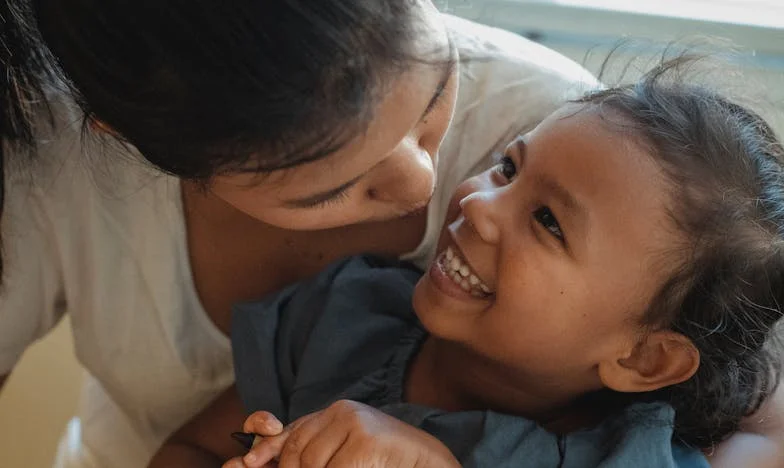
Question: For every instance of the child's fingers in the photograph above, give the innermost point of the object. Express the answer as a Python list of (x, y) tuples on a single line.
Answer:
[(263, 423), (265, 452), (235, 462), (321, 448), (299, 449)]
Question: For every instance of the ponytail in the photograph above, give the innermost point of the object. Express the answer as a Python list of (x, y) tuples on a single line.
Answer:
[(22, 76)]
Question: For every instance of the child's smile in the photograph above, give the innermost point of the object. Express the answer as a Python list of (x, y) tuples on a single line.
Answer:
[(452, 273), (552, 257)]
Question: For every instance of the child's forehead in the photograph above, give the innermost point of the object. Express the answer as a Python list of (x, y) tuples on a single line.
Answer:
[(558, 119), (555, 118)]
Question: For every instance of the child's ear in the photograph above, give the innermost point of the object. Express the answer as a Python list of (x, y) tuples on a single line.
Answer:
[(662, 359)]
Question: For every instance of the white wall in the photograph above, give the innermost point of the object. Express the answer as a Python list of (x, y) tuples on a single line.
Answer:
[(38, 400)]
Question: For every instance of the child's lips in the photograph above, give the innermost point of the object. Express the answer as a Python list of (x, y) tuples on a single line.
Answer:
[(454, 268)]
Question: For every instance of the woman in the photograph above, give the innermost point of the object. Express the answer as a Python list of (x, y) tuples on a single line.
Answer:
[(291, 133)]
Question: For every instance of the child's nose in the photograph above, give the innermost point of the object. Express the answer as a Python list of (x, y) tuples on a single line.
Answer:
[(480, 209)]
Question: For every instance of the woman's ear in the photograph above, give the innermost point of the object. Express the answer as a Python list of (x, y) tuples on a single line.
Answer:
[(662, 359)]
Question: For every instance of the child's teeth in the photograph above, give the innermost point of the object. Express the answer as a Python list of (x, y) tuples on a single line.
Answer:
[(462, 275)]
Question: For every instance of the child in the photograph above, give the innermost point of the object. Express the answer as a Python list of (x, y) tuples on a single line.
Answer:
[(602, 297)]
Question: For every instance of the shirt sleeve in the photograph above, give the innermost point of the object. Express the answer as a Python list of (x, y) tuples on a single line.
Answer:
[(32, 298), (295, 351), (638, 436)]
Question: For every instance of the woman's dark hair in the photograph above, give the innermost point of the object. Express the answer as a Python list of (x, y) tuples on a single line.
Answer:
[(23, 104), (202, 87), (724, 165), (205, 86)]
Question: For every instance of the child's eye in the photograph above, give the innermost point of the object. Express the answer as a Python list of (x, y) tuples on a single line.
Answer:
[(506, 167), (546, 218)]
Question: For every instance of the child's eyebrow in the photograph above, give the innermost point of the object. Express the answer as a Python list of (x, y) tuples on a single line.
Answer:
[(561, 194), (550, 185)]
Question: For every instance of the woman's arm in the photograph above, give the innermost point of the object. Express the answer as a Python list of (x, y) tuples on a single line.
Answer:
[(205, 442), (760, 441)]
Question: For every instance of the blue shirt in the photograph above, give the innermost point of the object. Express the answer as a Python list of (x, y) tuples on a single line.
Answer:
[(350, 333)]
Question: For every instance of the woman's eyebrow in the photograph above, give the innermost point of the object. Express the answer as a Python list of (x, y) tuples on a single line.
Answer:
[(320, 197), (447, 68)]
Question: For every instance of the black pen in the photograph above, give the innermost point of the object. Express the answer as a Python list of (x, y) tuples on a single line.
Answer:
[(246, 439)]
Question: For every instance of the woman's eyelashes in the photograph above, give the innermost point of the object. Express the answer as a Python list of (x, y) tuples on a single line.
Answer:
[(335, 199)]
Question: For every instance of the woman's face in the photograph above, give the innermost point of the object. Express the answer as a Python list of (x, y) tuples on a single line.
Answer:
[(554, 254), (386, 172)]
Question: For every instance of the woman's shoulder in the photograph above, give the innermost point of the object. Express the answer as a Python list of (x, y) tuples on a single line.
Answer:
[(490, 52), (70, 164), (508, 84), (69, 187)]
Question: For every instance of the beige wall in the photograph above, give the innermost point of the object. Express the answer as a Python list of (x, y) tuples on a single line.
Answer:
[(38, 400)]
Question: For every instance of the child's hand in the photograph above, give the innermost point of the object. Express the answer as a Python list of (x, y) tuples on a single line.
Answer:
[(263, 424), (346, 434)]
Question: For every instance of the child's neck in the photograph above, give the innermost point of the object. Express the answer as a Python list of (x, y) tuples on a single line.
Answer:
[(451, 377)]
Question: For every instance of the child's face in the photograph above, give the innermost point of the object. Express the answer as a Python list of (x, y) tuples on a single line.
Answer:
[(567, 233)]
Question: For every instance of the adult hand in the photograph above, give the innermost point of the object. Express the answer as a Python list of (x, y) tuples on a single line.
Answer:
[(345, 434), (760, 441)]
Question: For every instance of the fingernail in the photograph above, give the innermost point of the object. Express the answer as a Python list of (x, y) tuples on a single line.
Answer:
[(249, 458), (273, 425)]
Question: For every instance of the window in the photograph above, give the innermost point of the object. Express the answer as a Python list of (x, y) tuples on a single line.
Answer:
[(757, 25), (769, 13), (575, 27)]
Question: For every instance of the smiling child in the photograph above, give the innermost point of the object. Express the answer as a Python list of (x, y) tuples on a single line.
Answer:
[(602, 297)]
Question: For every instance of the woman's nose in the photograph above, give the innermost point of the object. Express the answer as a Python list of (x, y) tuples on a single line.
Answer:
[(481, 209), (406, 179)]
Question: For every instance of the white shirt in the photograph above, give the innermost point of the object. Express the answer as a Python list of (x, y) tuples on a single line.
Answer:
[(101, 236)]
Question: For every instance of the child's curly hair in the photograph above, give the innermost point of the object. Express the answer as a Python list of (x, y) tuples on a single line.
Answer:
[(724, 164)]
